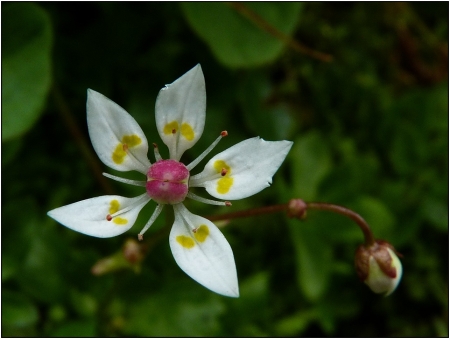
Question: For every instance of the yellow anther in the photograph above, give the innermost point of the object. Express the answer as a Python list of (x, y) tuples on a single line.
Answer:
[(187, 131), (201, 233), (171, 128), (186, 242)]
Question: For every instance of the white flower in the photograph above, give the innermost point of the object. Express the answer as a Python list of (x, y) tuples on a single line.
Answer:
[(198, 246)]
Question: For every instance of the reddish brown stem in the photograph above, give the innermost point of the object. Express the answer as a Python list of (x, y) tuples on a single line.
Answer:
[(261, 23), (80, 140), (249, 213), (297, 208), (368, 235)]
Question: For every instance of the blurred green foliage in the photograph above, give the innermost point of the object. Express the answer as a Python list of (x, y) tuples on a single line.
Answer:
[(370, 132)]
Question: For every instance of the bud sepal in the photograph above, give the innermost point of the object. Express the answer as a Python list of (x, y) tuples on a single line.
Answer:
[(379, 267)]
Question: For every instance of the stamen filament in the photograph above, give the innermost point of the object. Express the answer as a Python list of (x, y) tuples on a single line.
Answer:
[(173, 145), (179, 208), (156, 150), (205, 153), (137, 161), (138, 201), (151, 221), (208, 201), (199, 179), (125, 181)]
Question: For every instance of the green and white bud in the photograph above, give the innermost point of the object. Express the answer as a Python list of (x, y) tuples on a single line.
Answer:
[(379, 267)]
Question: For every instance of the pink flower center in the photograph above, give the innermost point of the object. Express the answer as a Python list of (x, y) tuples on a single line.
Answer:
[(167, 182)]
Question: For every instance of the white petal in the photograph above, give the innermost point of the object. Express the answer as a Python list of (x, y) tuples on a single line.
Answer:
[(89, 216), (249, 167), (204, 255), (110, 127), (181, 108)]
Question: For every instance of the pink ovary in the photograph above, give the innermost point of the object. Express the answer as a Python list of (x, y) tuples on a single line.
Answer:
[(167, 182)]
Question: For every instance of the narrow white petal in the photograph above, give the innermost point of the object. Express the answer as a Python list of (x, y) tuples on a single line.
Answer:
[(249, 167), (180, 112), (110, 128), (89, 216), (205, 254)]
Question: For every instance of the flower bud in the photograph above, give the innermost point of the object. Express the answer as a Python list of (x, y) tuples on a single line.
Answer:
[(297, 209), (379, 267), (129, 257)]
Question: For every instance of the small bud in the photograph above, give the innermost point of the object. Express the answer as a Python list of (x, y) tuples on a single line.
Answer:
[(132, 251), (379, 267), (129, 257)]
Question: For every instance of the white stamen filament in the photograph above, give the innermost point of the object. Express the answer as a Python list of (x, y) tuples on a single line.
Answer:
[(208, 201), (151, 221), (125, 181), (143, 167), (173, 146), (205, 153), (199, 180), (179, 208), (156, 150), (138, 201)]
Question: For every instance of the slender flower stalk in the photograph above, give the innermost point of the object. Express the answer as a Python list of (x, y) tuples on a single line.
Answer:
[(296, 208), (376, 261), (368, 235)]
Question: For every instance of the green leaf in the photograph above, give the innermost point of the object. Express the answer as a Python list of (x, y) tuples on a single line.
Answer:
[(311, 162), (175, 312), (294, 324), (235, 40), (10, 150), (17, 310), (80, 328), (272, 122), (313, 257), (40, 273), (252, 307), (377, 214), (27, 40), (436, 212)]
